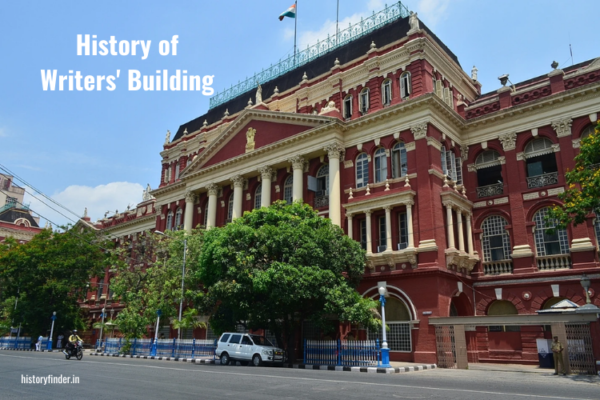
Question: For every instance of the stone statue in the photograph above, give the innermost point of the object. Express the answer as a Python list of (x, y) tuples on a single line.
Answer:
[(330, 107), (168, 137), (85, 214), (250, 143), (474, 73), (146, 195), (413, 21), (259, 94)]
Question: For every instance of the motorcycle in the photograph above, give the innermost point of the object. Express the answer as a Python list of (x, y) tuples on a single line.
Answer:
[(75, 351)]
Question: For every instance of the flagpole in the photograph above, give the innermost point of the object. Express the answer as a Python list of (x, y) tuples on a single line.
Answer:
[(295, 30)]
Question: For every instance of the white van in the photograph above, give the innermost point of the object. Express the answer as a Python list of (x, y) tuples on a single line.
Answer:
[(247, 348)]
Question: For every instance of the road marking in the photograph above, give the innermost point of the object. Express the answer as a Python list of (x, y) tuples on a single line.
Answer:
[(324, 380)]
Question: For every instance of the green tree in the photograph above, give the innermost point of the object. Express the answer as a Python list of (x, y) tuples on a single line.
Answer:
[(276, 267), (582, 196), (189, 320), (49, 273)]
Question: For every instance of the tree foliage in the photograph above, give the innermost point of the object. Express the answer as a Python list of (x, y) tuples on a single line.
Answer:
[(582, 196), (49, 273), (276, 267)]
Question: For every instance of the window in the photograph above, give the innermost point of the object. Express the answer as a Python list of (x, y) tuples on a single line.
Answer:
[(206, 213), (503, 307), (496, 243), (403, 231), (348, 107), (178, 219), (224, 338), (323, 181), (540, 157), (448, 96), (380, 165), (363, 233), (458, 170), (399, 164), (364, 101), (439, 89), (362, 170), (451, 165), (399, 333), (405, 85), (588, 131), (489, 169), (177, 170), (443, 161), (382, 235), (100, 290), (258, 196), (386, 92), (170, 220), (548, 244), (288, 188), (230, 208), (11, 200)]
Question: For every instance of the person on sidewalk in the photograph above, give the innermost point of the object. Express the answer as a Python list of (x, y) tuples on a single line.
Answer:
[(38, 344), (557, 352), (59, 341)]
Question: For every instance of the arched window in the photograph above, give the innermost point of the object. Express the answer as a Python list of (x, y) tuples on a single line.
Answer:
[(502, 307), (205, 214), (540, 160), (362, 170), (364, 101), (386, 92), (496, 243), (587, 131), (169, 220), (380, 165), (288, 188), (548, 244), (405, 85), (348, 107), (258, 196), (230, 208), (399, 163), (399, 332), (489, 174), (323, 181), (178, 219)]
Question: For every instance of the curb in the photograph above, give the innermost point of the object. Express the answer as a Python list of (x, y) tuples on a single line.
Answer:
[(378, 370), (41, 351)]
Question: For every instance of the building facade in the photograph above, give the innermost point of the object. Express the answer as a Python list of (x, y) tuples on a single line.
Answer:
[(16, 220), (444, 187)]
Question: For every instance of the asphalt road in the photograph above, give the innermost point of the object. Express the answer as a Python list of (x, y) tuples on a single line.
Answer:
[(122, 378)]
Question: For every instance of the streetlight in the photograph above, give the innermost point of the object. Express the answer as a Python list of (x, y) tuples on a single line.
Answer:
[(101, 327), (182, 281), (153, 351), (585, 283), (385, 352), (51, 331), (112, 311)]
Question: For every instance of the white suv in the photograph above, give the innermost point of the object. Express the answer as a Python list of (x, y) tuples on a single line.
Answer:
[(247, 348)]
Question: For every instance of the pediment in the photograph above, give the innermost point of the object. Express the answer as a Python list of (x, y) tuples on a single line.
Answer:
[(266, 127)]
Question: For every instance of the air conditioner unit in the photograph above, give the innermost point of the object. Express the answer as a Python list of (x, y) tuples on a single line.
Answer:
[(381, 249)]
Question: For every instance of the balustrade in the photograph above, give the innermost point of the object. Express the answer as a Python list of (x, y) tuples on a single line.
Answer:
[(554, 262), (497, 267), (542, 180), (490, 190), (322, 201)]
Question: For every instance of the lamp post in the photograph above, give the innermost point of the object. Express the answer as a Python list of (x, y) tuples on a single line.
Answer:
[(385, 352), (585, 283), (102, 326), (112, 311), (51, 331), (153, 351)]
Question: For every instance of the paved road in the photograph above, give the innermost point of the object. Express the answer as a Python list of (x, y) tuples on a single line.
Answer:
[(117, 378)]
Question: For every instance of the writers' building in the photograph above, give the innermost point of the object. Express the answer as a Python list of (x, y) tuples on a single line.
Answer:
[(445, 188)]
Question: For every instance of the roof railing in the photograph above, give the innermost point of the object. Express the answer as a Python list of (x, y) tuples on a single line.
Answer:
[(353, 32)]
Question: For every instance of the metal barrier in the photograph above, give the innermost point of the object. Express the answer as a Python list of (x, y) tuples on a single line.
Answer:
[(185, 348), (348, 353), (24, 342)]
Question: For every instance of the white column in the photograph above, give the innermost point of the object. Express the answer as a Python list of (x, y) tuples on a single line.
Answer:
[(450, 226), (298, 167), (188, 218), (469, 235), (368, 220), (213, 190), (238, 194), (265, 189), (388, 228), (409, 226), (349, 216), (334, 152), (461, 236)]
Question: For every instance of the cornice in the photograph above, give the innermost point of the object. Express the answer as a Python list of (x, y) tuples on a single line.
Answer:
[(137, 221), (169, 188), (376, 202)]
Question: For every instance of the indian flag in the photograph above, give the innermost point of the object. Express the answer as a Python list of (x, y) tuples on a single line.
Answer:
[(290, 12)]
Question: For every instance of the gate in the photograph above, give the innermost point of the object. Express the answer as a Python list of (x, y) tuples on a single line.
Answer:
[(579, 342)]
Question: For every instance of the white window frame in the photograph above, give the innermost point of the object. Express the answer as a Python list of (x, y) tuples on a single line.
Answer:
[(538, 234), (399, 155), (347, 108), (386, 92), (363, 99), (405, 85), (380, 165), (288, 189), (258, 197), (178, 216), (177, 166), (169, 220), (323, 174), (494, 225), (362, 170), (230, 208)]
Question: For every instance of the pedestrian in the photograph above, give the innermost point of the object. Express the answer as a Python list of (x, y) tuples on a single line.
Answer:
[(59, 341), (557, 351), (38, 345)]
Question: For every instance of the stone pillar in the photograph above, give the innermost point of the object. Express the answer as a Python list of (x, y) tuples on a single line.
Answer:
[(388, 228), (334, 152), (349, 216), (449, 226), (368, 223), (188, 219), (265, 193), (469, 235), (409, 226), (213, 190), (461, 236), (298, 167), (238, 194)]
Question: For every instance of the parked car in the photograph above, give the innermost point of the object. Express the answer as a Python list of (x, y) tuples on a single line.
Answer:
[(247, 348)]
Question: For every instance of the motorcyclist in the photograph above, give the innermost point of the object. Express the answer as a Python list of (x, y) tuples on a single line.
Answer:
[(73, 339)]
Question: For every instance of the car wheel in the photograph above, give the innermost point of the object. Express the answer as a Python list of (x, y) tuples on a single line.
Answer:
[(244, 363), (256, 360), (225, 359)]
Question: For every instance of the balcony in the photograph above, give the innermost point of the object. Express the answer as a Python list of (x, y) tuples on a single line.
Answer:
[(321, 201), (499, 267), (490, 190), (554, 263), (542, 180)]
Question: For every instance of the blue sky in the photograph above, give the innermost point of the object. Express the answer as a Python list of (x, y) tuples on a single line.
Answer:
[(98, 149)]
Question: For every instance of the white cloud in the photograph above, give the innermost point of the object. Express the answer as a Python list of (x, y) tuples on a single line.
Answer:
[(432, 11), (110, 197)]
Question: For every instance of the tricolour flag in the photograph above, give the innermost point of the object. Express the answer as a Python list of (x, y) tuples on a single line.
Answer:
[(290, 12)]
